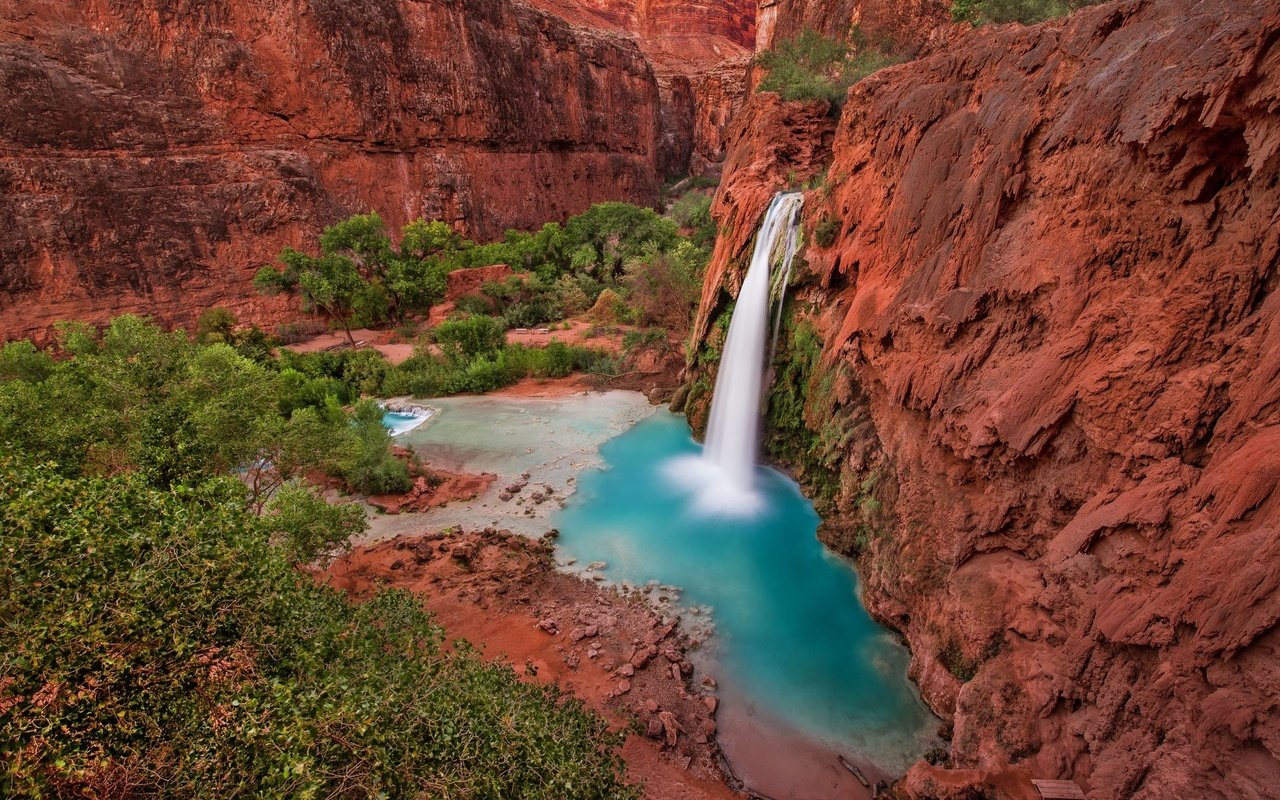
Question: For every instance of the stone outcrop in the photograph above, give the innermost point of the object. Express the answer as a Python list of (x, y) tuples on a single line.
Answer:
[(153, 154), (1049, 386)]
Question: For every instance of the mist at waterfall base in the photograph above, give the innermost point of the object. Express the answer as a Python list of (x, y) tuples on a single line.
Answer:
[(724, 475), (793, 646)]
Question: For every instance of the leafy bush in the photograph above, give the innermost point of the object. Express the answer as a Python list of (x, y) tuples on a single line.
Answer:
[(826, 231), (554, 361), (22, 360), (1027, 12), (475, 304), (175, 412), (157, 644), (462, 340), (640, 340), (215, 325), (810, 66), (373, 470), (305, 527), (693, 211)]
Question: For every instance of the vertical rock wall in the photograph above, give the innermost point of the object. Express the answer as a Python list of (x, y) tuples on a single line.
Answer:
[(154, 154), (1045, 405)]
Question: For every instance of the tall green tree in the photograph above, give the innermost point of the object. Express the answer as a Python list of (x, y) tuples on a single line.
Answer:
[(329, 284)]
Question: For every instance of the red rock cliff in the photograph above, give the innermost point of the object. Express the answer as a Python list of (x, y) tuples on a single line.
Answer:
[(153, 154), (1051, 357), (700, 50)]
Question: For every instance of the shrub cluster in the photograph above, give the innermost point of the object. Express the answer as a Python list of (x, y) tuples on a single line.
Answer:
[(157, 643), (137, 399), (1027, 12), (157, 638), (809, 66), (361, 278), (470, 355)]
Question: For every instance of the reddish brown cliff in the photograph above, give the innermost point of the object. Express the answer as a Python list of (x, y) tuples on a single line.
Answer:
[(700, 50), (908, 27), (1047, 409), (153, 154)]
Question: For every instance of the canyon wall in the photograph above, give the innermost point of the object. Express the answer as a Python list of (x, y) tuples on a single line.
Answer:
[(1044, 405), (700, 51), (154, 154), (908, 27)]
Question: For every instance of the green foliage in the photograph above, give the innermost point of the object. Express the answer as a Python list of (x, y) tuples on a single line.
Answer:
[(215, 324), (373, 470), (807, 67), (475, 304), (22, 360), (1026, 12), (176, 412), (428, 375), (790, 439), (663, 288), (359, 278), (328, 284), (306, 527), (826, 231), (645, 339), (693, 211), (156, 643), (462, 340), (810, 66)]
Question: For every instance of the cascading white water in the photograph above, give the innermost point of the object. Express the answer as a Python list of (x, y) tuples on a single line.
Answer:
[(728, 461)]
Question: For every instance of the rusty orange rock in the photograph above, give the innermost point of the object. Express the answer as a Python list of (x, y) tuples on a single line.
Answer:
[(151, 160), (1052, 334)]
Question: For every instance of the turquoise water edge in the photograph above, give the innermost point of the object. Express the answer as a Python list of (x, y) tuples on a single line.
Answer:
[(790, 631)]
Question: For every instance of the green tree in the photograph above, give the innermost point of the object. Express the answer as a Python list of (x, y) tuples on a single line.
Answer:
[(373, 469), (216, 324), (329, 283)]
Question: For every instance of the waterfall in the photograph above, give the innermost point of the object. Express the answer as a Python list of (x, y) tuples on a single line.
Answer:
[(728, 462)]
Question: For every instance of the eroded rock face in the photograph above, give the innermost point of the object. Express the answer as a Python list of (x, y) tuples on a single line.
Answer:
[(1051, 340), (700, 51), (153, 155), (910, 27)]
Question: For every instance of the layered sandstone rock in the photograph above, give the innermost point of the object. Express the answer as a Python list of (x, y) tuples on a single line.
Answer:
[(700, 51), (1052, 350), (153, 154)]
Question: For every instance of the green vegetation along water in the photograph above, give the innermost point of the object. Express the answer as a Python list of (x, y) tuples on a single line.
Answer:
[(792, 637)]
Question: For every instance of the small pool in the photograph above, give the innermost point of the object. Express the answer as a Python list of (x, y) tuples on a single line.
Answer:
[(401, 422), (793, 645)]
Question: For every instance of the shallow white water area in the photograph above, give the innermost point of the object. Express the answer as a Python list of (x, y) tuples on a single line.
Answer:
[(550, 438)]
